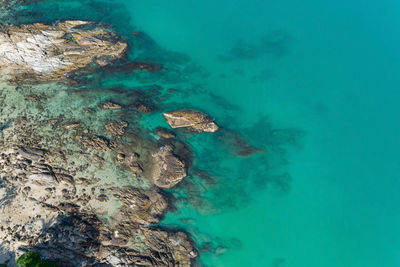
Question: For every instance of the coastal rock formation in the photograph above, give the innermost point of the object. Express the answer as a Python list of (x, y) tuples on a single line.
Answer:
[(76, 182), (140, 206), (168, 170), (49, 52), (191, 119), (43, 207)]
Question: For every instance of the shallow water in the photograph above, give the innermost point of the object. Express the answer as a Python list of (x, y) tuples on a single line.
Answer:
[(313, 85)]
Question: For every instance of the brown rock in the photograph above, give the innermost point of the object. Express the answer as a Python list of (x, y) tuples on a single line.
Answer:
[(116, 128), (141, 206), (191, 119), (110, 105), (170, 247), (95, 142), (71, 125), (168, 170), (121, 156), (49, 52)]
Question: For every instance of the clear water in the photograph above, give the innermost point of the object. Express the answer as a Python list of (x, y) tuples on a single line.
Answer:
[(315, 84)]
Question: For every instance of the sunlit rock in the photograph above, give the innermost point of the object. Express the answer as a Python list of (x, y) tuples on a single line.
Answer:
[(191, 119), (49, 52)]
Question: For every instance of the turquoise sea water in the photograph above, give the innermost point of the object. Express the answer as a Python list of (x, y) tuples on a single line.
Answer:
[(314, 85)]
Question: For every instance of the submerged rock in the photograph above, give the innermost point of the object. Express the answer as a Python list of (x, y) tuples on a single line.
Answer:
[(49, 52), (191, 119), (168, 170), (164, 133), (116, 128), (95, 142)]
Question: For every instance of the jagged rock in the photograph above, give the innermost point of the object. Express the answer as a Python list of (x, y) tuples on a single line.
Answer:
[(172, 249), (110, 105), (117, 128), (95, 142), (30, 153), (164, 133), (191, 119), (168, 170), (141, 206), (49, 52)]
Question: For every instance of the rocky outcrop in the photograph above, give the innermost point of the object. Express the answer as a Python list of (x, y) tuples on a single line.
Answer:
[(161, 242), (168, 170), (110, 105), (139, 206), (49, 52), (191, 119), (44, 211), (75, 184)]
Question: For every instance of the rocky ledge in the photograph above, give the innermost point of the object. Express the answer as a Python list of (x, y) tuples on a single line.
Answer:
[(49, 52), (191, 119)]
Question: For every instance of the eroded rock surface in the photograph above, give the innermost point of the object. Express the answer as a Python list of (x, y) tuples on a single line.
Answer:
[(191, 119), (48, 209), (168, 170), (116, 128), (49, 52)]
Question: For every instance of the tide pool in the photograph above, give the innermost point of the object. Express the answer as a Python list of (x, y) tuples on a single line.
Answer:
[(313, 86)]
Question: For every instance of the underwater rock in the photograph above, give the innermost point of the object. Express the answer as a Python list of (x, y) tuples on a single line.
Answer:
[(131, 66), (143, 107), (168, 170), (95, 142), (49, 52), (164, 133), (191, 119), (116, 128)]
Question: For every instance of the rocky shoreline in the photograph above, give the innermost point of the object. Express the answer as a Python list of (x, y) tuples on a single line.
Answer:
[(80, 181)]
